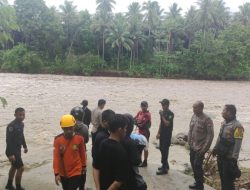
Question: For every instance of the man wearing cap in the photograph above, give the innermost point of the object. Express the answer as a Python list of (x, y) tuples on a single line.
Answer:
[(86, 116), (69, 157), (96, 118), (165, 135), (200, 137), (143, 122)]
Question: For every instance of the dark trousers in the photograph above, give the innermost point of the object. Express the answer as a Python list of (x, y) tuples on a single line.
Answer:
[(227, 180), (196, 161), (164, 148), (93, 135), (142, 187), (71, 183), (82, 182)]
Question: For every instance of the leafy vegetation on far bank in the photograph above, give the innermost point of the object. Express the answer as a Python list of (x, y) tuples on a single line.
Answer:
[(207, 42)]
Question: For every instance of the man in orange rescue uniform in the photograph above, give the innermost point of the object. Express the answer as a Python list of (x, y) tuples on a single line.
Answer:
[(69, 160)]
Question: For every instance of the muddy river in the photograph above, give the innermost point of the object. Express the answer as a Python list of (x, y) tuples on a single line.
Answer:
[(47, 97)]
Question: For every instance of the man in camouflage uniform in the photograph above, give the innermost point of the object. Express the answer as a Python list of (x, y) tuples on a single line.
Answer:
[(200, 137), (227, 148)]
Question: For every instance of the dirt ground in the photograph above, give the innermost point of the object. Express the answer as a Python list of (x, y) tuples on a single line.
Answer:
[(40, 176)]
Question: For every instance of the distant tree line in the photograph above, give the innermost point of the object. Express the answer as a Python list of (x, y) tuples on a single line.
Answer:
[(208, 42)]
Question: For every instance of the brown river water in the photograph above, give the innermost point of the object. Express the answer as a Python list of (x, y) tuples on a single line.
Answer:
[(47, 97)]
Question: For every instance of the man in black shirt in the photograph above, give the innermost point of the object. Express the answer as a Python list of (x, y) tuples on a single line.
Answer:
[(86, 117), (15, 141), (102, 132), (112, 159), (165, 135)]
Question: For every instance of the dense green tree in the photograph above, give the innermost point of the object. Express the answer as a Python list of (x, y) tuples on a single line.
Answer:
[(30, 18), (83, 41), (39, 27), (204, 43), (7, 23)]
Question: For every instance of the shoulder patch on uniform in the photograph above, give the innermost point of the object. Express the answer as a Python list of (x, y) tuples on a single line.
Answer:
[(238, 133), (209, 122), (75, 147)]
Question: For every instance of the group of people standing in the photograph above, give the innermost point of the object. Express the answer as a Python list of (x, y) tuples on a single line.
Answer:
[(116, 152), (117, 149)]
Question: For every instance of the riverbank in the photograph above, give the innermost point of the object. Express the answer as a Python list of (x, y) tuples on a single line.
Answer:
[(128, 74)]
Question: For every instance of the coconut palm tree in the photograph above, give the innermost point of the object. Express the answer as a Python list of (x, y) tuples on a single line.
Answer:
[(221, 16), (205, 15), (190, 25), (104, 15), (135, 28), (243, 15), (119, 37), (173, 25), (69, 20), (174, 11), (134, 17), (105, 6), (153, 15), (212, 16)]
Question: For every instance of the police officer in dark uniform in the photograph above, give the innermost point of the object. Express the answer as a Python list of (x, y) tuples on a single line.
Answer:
[(165, 135), (15, 141), (86, 114), (80, 129), (227, 148)]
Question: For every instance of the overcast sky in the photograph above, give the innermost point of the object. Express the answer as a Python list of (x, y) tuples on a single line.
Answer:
[(122, 5)]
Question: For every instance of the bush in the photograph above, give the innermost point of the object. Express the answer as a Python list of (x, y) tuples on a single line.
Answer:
[(137, 70), (89, 63), (85, 64), (20, 59)]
